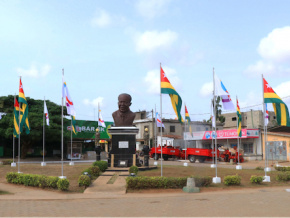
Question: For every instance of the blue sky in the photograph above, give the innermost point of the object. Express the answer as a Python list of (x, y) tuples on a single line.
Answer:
[(110, 47)]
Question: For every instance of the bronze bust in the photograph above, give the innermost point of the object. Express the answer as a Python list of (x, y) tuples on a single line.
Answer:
[(124, 116)]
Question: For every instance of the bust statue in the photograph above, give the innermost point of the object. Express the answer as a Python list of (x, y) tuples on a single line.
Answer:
[(124, 116)]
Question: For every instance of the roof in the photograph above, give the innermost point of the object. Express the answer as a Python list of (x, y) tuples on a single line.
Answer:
[(280, 129)]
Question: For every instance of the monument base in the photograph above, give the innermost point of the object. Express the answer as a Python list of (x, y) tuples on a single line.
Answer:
[(123, 152)]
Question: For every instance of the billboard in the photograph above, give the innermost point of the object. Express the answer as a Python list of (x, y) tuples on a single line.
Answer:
[(87, 129)]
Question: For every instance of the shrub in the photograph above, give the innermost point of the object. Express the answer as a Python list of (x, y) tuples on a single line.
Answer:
[(133, 169), (232, 180), (259, 168), (283, 177), (63, 184), (256, 179), (7, 162), (84, 180), (88, 170), (144, 182), (95, 171), (282, 168), (103, 165), (51, 181)]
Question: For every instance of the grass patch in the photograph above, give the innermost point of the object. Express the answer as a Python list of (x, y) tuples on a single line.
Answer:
[(5, 193)]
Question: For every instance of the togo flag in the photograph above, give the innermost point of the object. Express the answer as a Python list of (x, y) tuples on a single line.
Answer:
[(24, 109), (167, 88)]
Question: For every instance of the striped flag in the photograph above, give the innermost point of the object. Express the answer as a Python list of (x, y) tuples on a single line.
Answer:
[(46, 114), (24, 109), (167, 88), (266, 116), (239, 115), (68, 101), (74, 124), (187, 118), (158, 121), (101, 122), (16, 118), (280, 108)]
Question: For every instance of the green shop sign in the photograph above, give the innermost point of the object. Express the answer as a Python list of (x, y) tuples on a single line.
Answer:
[(87, 129)]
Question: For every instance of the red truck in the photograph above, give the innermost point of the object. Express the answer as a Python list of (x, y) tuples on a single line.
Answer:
[(167, 152), (201, 154)]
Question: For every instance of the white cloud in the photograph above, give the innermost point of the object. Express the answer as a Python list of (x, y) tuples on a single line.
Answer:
[(94, 103), (152, 80), (34, 71), (283, 89), (152, 8), (206, 89), (101, 19), (276, 46), (152, 40), (274, 50)]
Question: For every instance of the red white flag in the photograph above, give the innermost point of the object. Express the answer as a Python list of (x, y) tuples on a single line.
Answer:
[(46, 114)]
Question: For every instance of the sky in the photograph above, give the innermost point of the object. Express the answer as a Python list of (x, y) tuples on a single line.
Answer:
[(111, 47)]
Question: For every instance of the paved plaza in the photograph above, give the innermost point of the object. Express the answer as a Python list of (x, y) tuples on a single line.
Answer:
[(112, 201)]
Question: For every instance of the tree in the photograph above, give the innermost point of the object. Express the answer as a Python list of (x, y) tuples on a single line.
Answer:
[(218, 114), (35, 116)]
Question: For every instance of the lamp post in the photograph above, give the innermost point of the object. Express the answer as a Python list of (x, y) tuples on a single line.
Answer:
[(146, 148)]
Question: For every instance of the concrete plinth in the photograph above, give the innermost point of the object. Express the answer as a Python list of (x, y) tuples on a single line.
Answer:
[(62, 177), (71, 163), (190, 186), (267, 169), (216, 180), (213, 166), (43, 164), (155, 163), (267, 179), (239, 167), (13, 164), (185, 164)]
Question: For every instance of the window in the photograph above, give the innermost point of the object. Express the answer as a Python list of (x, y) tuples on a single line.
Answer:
[(172, 128), (206, 128), (234, 118), (248, 148)]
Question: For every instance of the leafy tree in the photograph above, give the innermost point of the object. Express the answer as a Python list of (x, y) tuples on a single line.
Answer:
[(218, 114), (35, 116)]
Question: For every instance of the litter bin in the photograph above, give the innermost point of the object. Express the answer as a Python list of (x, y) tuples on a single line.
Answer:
[(98, 152)]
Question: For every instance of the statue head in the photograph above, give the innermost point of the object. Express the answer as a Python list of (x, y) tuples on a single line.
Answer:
[(124, 102)]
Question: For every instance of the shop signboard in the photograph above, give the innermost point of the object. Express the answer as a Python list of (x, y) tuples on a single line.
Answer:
[(222, 134), (87, 129)]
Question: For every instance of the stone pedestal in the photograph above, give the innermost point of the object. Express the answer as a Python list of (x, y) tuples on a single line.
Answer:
[(123, 152), (190, 186)]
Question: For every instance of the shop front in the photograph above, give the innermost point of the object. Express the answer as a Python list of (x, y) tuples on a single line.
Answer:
[(250, 142)]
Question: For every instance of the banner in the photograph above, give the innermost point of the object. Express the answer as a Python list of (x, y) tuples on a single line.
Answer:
[(87, 129)]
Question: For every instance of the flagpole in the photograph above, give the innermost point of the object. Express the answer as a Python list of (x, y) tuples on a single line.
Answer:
[(161, 122), (212, 117), (71, 130), (216, 179), (19, 132), (238, 132), (63, 177), (185, 133), (265, 138), (42, 164), (155, 127), (13, 134)]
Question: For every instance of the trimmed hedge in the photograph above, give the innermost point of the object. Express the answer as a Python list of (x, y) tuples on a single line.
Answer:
[(282, 168), (256, 179), (93, 171), (283, 176), (37, 181), (232, 180), (103, 165), (146, 182)]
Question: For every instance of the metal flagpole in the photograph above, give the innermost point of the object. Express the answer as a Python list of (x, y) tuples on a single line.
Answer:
[(212, 144), (265, 143), (42, 164), (185, 132), (71, 131), (13, 134), (161, 122), (238, 138), (62, 128), (19, 133), (216, 179), (155, 127)]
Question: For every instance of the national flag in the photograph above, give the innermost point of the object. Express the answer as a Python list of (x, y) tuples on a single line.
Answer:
[(220, 90), (280, 108), (24, 109), (16, 118), (239, 116), (266, 116), (74, 124), (46, 114), (101, 122), (68, 101), (167, 88), (158, 121)]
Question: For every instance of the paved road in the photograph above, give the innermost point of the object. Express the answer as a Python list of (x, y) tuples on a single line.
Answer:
[(29, 202)]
